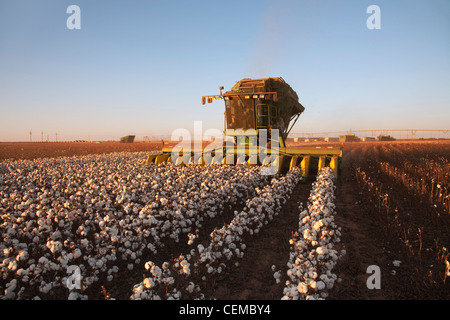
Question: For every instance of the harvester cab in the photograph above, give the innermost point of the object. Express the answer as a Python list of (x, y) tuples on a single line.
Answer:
[(259, 114), (259, 104)]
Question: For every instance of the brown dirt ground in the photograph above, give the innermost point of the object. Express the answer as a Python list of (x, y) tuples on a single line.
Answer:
[(33, 150)]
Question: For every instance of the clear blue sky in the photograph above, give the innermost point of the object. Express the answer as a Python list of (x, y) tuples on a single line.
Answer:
[(141, 67)]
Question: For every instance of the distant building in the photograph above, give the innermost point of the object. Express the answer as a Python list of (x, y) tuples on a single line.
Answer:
[(348, 138), (368, 139), (332, 139), (127, 139), (385, 138)]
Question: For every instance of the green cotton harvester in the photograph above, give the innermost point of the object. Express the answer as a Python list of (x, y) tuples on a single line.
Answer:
[(259, 114)]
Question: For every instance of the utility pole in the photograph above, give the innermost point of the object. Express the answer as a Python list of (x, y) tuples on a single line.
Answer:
[(42, 136), (31, 134), (57, 137)]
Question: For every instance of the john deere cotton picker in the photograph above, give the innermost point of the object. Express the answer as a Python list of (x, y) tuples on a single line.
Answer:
[(259, 114)]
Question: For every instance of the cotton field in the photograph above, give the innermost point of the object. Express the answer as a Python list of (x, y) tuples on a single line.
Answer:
[(73, 223)]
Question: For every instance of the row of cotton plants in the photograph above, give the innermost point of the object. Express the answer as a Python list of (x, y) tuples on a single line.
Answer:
[(224, 250), (98, 213), (313, 254)]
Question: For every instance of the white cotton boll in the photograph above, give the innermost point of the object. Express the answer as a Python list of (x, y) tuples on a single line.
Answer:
[(43, 260), (156, 271), (277, 276), (330, 284), (333, 255), (130, 266), (190, 288), (77, 253), (73, 296), (12, 265), (9, 291), (184, 264), (46, 288), (148, 283), (321, 250), (396, 263), (148, 265), (302, 288), (99, 263), (320, 285), (187, 271)]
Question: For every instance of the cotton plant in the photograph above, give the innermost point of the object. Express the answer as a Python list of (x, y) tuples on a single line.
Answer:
[(225, 248), (171, 281), (313, 254), (99, 212)]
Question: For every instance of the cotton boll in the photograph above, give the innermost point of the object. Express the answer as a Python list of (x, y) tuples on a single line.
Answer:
[(45, 287), (12, 266), (190, 288), (320, 285), (148, 283), (321, 250), (148, 265), (396, 263), (318, 225), (302, 288), (9, 291)]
